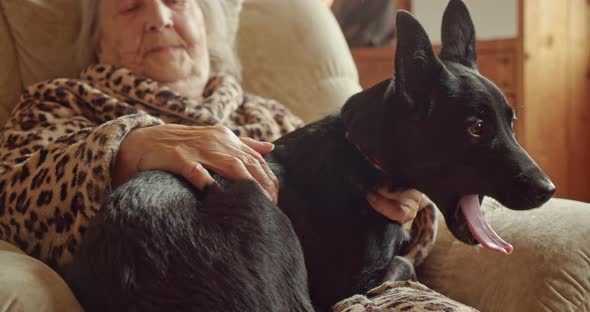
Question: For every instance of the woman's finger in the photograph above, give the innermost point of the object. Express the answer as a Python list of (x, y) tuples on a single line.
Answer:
[(176, 161), (410, 197), (255, 149), (392, 209), (262, 148), (261, 176), (424, 201), (233, 168), (198, 175), (271, 176)]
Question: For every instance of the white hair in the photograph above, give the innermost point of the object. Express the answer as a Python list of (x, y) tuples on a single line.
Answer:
[(221, 23)]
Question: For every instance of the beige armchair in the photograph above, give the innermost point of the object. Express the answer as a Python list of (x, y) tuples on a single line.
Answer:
[(293, 51)]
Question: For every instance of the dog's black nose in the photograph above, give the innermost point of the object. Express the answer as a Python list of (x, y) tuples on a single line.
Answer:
[(545, 190)]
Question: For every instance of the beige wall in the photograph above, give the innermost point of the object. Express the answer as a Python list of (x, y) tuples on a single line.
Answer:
[(493, 19)]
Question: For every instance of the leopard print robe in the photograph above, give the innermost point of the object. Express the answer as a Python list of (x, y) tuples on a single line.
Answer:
[(58, 148)]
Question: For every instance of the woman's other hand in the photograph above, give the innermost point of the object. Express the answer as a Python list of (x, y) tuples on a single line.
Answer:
[(401, 206)]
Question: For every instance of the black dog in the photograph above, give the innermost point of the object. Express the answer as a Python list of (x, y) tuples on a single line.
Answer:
[(438, 126)]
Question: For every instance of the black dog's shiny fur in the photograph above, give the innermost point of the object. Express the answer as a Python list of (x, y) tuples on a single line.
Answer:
[(159, 245)]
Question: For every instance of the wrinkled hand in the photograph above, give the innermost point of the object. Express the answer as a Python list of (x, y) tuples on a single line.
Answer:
[(188, 151), (401, 206)]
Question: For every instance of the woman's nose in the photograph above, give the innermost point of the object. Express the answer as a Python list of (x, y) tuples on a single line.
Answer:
[(158, 15)]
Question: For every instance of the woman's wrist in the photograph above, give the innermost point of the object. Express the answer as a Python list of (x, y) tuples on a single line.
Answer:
[(124, 166)]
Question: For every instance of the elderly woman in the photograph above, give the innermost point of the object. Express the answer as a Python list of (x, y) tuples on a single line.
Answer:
[(151, 103)]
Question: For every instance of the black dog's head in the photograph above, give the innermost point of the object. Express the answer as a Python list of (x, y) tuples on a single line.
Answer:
[(441, 127)]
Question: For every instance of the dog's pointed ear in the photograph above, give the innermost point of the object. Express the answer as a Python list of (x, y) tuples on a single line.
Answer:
[(417, 69), (458, 35)]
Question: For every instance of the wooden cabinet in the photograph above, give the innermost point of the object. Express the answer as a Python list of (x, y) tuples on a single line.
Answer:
[(374, 64), (555, 91), (499, 67)]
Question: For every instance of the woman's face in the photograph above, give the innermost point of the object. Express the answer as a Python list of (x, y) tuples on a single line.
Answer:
[(164, 40)]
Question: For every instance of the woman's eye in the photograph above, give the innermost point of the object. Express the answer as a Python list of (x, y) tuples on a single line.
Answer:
[(476, 129), (175, 2), (131, 9)]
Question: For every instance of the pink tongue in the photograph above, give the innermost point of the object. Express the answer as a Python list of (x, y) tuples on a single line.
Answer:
[(480, 229)]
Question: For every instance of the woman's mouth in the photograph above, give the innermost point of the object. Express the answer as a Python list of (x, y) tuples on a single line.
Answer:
[(163, 49)]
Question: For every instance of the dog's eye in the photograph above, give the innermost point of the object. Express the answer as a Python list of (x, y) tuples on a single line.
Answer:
[(476, 129)]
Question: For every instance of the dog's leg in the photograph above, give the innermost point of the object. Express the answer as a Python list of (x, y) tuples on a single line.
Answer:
[(423, 234), (156, 247), (400, 269)]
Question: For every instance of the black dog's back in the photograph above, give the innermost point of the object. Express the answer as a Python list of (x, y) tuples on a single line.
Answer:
[(157, 246)]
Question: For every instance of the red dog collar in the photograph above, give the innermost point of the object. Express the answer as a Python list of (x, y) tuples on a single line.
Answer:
[(372, 160)]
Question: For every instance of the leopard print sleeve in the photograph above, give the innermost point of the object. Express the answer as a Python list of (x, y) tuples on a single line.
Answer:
[(55, 164)]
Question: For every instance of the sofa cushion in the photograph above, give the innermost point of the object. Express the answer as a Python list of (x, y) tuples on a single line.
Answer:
[(549, 269), (33, 285), (286, 58)]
